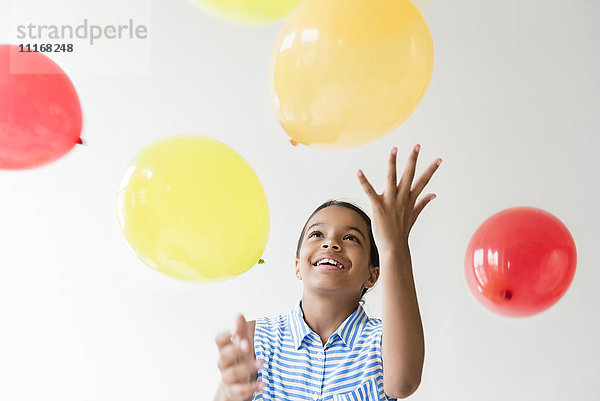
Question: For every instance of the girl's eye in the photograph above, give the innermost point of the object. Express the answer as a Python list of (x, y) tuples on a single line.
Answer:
[(353, 237), (318, 233)]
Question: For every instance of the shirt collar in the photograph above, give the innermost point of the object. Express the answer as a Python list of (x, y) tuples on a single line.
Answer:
[(348, 331)]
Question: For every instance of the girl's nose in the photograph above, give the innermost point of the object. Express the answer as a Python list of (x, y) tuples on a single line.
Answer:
[(333, 246)]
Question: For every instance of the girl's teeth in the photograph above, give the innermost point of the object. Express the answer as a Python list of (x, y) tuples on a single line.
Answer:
[(333, 262)]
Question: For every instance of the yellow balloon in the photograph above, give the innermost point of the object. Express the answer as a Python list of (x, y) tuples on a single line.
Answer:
[(193, 208), (248, 11), (344, 73)]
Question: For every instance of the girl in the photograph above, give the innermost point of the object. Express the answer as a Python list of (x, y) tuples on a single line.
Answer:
[(326, 348)]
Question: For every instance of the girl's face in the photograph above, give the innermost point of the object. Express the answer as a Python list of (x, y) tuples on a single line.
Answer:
[(334, 256)]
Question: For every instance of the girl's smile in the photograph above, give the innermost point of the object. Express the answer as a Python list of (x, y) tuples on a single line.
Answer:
[(330, 259), (329, 262)]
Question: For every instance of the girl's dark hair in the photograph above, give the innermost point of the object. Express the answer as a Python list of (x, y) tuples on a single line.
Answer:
[(374, 255)]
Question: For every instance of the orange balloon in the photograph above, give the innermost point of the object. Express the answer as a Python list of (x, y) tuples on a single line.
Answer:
[(344, 73)]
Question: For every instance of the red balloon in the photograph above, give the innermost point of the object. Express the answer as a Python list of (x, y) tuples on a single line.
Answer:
[(40, 114), (520, 261)]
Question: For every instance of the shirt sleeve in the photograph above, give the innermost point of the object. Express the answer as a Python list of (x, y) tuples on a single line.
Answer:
[(378, 336)]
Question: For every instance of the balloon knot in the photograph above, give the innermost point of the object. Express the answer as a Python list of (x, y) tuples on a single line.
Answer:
[(260, 261), (508, 295), (294, 143)]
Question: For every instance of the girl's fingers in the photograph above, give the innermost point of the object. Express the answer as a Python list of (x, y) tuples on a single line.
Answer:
[(424, 178), (241, 328), (409, 172), (420, 205), (392, 179), (366, 185), (245, 391), (241, 337), (234, 346), (242, 372), (232, 354), (222, 339), (227, 356)]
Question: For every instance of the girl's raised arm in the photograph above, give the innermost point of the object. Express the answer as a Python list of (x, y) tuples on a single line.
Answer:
[(394, 213)]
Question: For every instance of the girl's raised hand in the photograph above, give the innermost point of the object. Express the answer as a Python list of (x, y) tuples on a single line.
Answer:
[(237, 364), (397, 208)]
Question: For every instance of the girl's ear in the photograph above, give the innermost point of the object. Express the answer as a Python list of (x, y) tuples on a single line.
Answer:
[(373, 276), (298, 275)]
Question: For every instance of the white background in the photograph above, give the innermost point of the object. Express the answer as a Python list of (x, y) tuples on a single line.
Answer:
[(512, 109)]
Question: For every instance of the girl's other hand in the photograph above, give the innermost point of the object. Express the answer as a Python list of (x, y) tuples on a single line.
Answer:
[(397, 208), (239, 368)]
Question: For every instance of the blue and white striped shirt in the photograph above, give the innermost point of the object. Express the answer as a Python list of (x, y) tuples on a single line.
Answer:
[(298, 366)]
